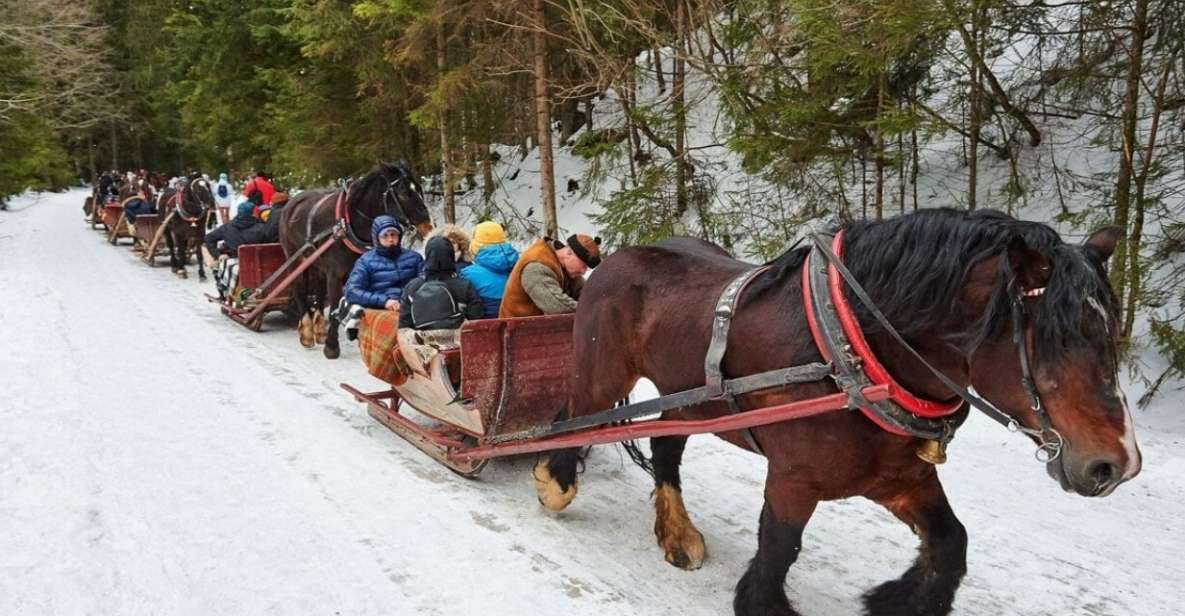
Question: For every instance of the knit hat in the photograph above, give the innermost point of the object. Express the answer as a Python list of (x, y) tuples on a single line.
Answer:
[(588, 249), (485, 234), (245, 208)]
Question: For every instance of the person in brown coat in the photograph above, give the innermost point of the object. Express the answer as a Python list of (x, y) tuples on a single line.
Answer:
[(548, 277)]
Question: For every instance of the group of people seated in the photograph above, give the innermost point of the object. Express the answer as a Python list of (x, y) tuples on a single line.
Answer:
[(256, 221), (461, 278)]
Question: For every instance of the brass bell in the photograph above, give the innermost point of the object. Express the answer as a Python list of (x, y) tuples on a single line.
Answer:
[(932, 451)]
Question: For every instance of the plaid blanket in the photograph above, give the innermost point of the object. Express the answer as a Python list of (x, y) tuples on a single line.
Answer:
[(378, 342)]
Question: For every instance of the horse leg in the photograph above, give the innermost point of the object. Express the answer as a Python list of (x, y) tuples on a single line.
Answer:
[(197, 255), (304, 308), (679, 539), (761, 591), (928, 587), (172, 250), (328, 332), (183, 257), (601, 375)]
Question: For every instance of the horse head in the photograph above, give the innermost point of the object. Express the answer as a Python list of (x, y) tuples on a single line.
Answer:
[(404, 197), (200, 191), (1058, 297)]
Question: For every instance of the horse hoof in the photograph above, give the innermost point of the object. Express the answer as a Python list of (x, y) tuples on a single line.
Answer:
[(547, 489), (681, 542), (321, 330), (332, 352), (202, 277), (181, 274), (686, 552), (305, 330)]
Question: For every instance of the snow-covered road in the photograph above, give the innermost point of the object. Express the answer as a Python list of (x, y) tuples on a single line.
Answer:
[(156, 458)]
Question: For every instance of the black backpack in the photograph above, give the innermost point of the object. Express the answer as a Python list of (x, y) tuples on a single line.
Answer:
[(433, 307)]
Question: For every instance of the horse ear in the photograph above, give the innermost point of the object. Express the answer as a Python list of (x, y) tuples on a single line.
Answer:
[(1030, 268), (1104, 241)]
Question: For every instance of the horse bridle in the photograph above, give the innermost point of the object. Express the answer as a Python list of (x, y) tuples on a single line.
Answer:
[(388, 198), (180, 194), (1050, 442)]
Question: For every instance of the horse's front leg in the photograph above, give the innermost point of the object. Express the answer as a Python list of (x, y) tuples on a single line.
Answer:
[(680, 540), (928, 587), (197, 255), (172, 250), (761, 591), (327, 332)]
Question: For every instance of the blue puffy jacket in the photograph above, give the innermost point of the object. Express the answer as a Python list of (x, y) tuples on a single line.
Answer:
[(381, 273), (489, 272)]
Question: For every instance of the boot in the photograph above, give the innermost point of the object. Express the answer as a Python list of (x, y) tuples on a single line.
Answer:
[(352, 320)]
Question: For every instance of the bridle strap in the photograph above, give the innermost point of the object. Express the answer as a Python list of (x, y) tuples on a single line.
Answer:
[(1051, 447)]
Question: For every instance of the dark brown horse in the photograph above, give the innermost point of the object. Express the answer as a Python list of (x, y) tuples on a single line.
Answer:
[(187, 208), (952, 283), (389, 188)]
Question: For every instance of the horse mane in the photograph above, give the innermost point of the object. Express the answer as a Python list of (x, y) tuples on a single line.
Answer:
[(916, 266)]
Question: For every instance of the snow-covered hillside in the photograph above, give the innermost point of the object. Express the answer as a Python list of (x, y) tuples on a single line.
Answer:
[(156, 458)]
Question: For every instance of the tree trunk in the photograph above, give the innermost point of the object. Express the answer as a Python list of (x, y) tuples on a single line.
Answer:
[(90, 152), (976, 104), (656, 56), (487, 175), (864, 187), (880, 150), (114, 148), (976, 57), (1135, 240), (543, 121), (446, 165), (913, 168), (1123, 183), (679, 111)]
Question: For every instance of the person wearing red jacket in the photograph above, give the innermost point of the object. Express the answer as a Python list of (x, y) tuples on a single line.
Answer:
[(259, 184)]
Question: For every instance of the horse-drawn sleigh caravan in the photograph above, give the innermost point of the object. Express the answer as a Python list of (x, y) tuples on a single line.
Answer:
[(848, 364)]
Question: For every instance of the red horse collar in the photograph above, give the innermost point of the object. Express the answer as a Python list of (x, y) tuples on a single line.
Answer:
[(839, 338)]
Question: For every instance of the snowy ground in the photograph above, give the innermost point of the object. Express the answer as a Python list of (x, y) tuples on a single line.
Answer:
[(156, 458)]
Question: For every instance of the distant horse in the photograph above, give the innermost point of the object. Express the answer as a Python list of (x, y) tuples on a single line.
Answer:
[(187, 209), (953, 283), (389, 188), (104, 189)]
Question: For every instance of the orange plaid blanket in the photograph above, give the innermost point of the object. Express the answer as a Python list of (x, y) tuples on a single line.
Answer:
[(378, 342)]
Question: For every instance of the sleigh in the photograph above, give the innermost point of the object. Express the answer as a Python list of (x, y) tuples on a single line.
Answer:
[(501, 391), (149, 229), (258, 291)]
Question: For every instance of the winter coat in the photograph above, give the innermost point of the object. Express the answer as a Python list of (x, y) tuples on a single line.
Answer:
[(490, 270), (242, 229), (221, 201), (266, 190), (439, 264), (381, 273), (546, 277)]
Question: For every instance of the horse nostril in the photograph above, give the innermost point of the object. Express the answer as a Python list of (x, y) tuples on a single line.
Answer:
[(1103, 472)]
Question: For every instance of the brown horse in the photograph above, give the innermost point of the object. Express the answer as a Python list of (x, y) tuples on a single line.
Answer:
[(187, 208), (952, 283), (389, 188)]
